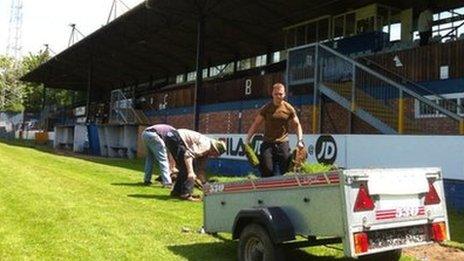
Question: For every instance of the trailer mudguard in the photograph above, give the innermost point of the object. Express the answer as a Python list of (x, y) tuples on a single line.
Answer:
[(274, 219)]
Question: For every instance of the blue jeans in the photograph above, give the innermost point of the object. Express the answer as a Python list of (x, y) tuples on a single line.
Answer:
[(156, 149)]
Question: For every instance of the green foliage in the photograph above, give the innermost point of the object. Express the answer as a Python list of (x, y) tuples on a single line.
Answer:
[(315, 167), (16, 95), (11, 94)]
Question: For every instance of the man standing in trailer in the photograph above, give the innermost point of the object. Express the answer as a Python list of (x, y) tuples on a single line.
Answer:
[(276, 116)]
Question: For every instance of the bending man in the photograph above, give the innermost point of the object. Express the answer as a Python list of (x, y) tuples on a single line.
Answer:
[(185, 146), (154, 137)]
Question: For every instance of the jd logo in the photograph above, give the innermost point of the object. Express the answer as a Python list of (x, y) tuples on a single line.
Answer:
[(326, 149)]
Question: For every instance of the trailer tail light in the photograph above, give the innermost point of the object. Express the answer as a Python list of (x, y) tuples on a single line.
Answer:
[(363, 201), (431, 197), (438, 231), (361, 242)]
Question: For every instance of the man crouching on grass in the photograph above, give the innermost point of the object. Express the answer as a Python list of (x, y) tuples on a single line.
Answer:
[(186, 146)]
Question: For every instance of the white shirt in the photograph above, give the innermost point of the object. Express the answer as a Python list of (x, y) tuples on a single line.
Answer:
[(197, 143), (425, 20)]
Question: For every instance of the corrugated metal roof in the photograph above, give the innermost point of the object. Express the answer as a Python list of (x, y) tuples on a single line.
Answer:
[(158, 38)]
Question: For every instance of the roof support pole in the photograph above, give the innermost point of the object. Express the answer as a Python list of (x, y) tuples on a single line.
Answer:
[(89, 86), (199, 69), (43, 115)]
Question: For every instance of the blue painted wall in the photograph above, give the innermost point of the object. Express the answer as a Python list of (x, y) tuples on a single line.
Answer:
[(230, 167), (454, 193)]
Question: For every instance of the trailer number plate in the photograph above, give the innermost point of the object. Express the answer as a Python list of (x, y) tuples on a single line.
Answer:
[(401, 212), (407, 212), (397, 237)]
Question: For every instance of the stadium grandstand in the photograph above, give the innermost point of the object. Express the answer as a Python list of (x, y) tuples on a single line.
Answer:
[(351, 67)]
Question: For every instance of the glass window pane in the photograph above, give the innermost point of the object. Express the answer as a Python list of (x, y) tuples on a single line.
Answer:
[(425, 109), (444, 15), (301, 35), (350, 26), (311, 32), (323, 29), (461, 107), (338, 26), (395, 33)]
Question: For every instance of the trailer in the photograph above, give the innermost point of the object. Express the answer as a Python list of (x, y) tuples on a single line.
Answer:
[(374, 213)]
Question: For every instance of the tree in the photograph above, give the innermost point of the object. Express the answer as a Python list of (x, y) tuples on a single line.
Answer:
[(16, 95), (10, 88), (33, 92)]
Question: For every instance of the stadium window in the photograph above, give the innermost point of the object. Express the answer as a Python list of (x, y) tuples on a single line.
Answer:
[(461, 105), (311, 32), (213, 71), (461, 31), (323, 29), (449, 104), (229, 68), (395, 31), (338, 27), (276, 57), (444, 15), (180, 78), (301, 35), (291, 37), (350, 24), (426, 110), (261, 60), (191, 76), (244, 64), (205, 73), (452, 103)]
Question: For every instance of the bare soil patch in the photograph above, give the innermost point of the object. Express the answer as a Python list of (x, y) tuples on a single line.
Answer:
[(435, 252)]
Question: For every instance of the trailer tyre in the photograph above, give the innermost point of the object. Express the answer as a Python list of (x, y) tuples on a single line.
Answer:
[(392, 255), (255, 244)]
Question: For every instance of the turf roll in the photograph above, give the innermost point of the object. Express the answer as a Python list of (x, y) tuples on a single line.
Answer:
[(251, 155)]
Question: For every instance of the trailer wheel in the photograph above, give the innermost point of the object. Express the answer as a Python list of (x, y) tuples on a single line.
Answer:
[(392, 255), (256, 245)]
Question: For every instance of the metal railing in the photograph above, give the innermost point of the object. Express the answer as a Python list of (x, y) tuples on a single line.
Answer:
[(122, 110), (448, 104), (387, 104)]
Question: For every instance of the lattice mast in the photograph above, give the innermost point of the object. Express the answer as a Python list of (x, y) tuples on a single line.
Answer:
[(115, 8), (14, 45)]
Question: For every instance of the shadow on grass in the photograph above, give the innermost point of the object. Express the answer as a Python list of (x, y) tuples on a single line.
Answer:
[(131, 164), (151, 196), (227, 250), (131, 184)]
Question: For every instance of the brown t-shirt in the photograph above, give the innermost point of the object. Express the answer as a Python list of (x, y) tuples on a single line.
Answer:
[(276, 120)]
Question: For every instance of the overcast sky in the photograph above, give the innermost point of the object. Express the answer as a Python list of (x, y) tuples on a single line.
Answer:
[(47, 21)]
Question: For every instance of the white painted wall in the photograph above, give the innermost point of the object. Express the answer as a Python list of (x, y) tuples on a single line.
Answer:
[(377, 151)]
